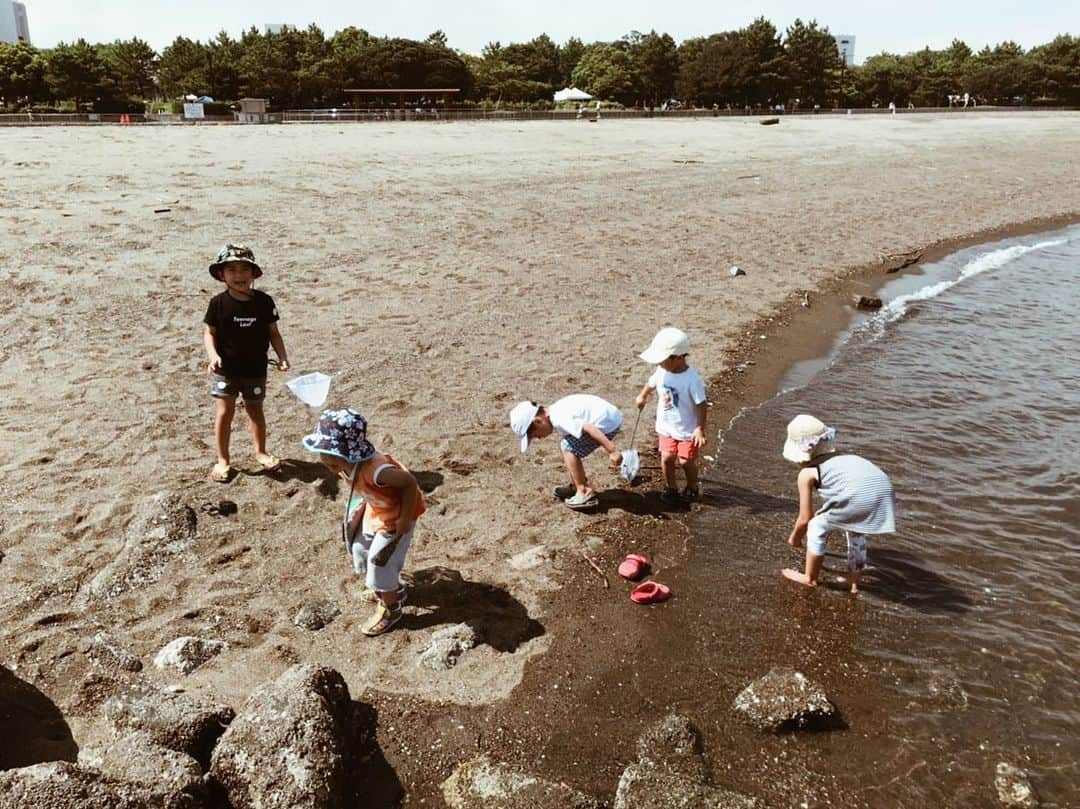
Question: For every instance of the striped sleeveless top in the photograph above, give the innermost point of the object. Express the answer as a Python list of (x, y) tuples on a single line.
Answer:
[(856, 496)]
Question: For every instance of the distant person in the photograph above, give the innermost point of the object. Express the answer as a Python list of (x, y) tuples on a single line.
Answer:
[(681, 411), (585, 423), (379, 530), (597, 110), (857, 498), (892, 107), (241, 323), (967, 99)]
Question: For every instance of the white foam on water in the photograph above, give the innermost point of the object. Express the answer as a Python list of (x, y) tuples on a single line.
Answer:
[(993, 260)]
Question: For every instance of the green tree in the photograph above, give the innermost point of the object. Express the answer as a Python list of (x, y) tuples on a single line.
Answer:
[(814, 64), (22, 74), (762, 72), (606, 72), (130, 65), (656, 59), (184, 68), (1001, 74), (223, 67), (1056, 69), (74, 71), (884, 78), (569, 56)]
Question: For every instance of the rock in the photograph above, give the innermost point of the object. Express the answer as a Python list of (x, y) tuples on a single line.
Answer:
[(106, 652), (644, 787), (866, 302), (1014, 788), (316, 614), (736, 271), (137, 759), (671, 772), (164, 527), (187, 653), (63, 785), (784, 700), (769, 121), (481, 782), (447, 645), (172, 719), (292, 744)]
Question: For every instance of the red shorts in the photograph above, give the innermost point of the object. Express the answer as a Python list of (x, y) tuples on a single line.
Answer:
[(684, 449)]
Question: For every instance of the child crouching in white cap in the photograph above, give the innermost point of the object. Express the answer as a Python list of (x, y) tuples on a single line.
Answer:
[(585, 423), (386, 511), (857, 498)]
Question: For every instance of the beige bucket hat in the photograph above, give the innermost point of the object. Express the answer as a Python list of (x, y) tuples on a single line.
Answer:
[(807, 437)]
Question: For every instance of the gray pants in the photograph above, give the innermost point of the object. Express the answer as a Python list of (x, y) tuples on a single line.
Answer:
[(366, 548)]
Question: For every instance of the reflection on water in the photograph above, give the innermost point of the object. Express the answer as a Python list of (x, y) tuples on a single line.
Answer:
[(964, 649)]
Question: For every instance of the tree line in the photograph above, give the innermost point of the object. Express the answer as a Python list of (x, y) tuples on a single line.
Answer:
[(755, 66)]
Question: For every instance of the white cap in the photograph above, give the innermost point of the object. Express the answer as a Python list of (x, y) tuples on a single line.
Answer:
[(521, 418), (667, 343)]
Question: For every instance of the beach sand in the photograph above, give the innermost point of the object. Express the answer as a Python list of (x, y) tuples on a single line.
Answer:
[(440, 273)]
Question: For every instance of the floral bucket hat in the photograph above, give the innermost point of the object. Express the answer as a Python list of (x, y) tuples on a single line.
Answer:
[(808, 437), (341, 433), (234, 252)]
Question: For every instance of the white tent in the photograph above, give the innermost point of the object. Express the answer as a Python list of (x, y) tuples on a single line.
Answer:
[(572, 94)]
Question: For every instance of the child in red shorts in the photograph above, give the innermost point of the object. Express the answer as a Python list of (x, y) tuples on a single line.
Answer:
[(681, 412)]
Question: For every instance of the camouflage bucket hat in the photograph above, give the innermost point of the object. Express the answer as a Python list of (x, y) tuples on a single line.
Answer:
[(342, 433), (234, 252)]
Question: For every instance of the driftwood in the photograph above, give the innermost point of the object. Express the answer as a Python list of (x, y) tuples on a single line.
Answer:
[(596, 567), (769, 121)]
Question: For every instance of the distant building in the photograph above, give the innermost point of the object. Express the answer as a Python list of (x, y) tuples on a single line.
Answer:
[(277, 28), (845, 43), (14, 26)]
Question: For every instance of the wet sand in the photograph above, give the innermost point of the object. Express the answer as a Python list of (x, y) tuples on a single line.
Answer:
[(441, 273)]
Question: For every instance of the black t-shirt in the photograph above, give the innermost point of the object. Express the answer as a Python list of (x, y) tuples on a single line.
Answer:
[(242, 332)]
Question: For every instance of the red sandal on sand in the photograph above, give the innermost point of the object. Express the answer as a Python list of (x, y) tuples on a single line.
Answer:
[(633, 567), (650, 592)]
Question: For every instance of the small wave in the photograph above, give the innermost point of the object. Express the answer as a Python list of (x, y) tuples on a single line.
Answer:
[(993, 260)]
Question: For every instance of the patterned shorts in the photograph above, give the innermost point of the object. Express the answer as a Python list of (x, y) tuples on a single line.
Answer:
[(585, 446)]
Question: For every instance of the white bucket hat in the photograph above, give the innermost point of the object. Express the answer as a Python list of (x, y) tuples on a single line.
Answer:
[(667, 343), (521, 418), (807, 437)]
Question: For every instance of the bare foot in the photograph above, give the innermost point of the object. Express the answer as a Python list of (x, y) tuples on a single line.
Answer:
[(798, 576)]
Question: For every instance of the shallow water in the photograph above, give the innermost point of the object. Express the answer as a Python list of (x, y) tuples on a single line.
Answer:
[(964, 647)]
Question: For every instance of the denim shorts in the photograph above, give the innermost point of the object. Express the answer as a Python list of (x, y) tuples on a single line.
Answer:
[(252, 388), (586, 445)]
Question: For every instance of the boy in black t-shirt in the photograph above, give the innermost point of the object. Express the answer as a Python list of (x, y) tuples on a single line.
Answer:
[(241, 324)]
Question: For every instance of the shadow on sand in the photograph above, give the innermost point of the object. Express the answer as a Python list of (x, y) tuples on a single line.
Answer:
[(32, 729)]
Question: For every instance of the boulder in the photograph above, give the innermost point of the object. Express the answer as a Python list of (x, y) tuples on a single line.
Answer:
[(866, 302), (671, 772), (163, 528), (482, 782), (63, 785), (137, 759), (292, 744), (171, 719), (736, 271), (316, 614), (106, 652), (447, 645), (1014, 787), (785, 699), (187, 654)]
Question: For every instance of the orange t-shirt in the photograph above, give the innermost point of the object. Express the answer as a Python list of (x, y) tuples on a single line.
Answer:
[(383, 502)]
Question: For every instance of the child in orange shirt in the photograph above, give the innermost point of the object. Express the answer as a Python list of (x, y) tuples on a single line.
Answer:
[(388, 506)]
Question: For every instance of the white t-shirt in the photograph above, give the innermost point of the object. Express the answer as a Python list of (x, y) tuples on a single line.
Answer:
[(569, 413), (678, 394)]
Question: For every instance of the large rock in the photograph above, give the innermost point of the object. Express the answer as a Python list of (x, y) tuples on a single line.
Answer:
[(447, 645), (292, 744), (481, 782), (163, 528), (106, 652), (187, 653), (62, 785), (671, 772), (314, 615), (171, 719), (785, 699), (136, 759), (1014, 788)]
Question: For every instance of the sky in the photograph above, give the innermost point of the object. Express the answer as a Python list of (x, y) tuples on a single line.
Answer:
[(897, 27)]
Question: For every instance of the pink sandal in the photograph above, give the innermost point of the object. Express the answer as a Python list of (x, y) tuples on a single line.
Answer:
[(633, 567), (650, 592)]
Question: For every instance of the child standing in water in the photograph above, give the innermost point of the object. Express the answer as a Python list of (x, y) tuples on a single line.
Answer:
[(857, 498), (379, 530)]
